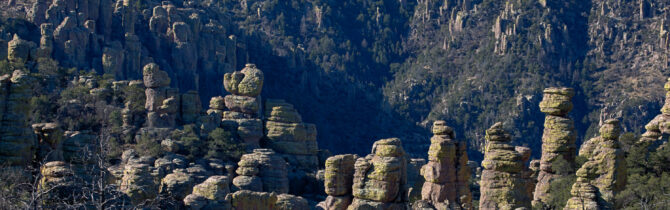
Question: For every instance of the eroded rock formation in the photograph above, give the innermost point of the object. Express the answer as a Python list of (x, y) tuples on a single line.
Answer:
[(447, 174), (604, 174), (244, 104), (289, 136), (16, 136), (503, 185), (339, 177), (262, 171), (558, 140)]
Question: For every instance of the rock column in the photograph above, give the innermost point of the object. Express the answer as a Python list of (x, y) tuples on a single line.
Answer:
[(558, 140), (503, 185), (447, 173), (380, 179), (289, 136), (605, 170), (339, 177), (161, 101), (16, 135), (244, 104), (262, 170)]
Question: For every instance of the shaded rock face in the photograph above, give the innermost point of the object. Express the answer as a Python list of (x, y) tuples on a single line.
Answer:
[(50, 139), (604, 174), (18, 50), (16, 137), (138, 184), (244, 104), (262, 171), (380, 179), (503, 185), (289, 136), (558, 139), (57, 181), (447, 173), (338, 180), (161, 101)]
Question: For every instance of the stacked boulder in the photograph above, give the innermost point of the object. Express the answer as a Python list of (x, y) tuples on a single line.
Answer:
[(161, 101), (604, 174), (16, 136), (659, 125), (339, 177), (558, 140), (447, 173), (262, 171), (244, 104), (57, 182), (503, 185), (210, 194), (380, 179), (289, 136)]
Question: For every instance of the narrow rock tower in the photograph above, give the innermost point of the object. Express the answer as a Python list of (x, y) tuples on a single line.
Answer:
[(503, 185), (244, 104), (558, 140), (447, 173), (605, 170)]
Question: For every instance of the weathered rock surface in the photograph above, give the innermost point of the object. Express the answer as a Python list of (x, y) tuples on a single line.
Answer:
[(138, 184), (287, 135), (210, 194), (247, 82), (447, 174), (338, 180), (503, 185), (244, 104), (558, 140), (17, 140), (245, 199), (380, 179), (162, 102), (262, 170), (604, 174), (50, 139), (177, 185)]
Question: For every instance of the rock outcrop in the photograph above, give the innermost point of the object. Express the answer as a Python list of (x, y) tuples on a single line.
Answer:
[(657, 127), (50, 139), (138, 184), (604, 174), (244, 104), (558, 140), (210, 194), (57, 182), (262, 171), (161, 101), (289, 136), (245, 199), (16, 136), (447, 174), (503, 185), (380, 179), (338, 180)]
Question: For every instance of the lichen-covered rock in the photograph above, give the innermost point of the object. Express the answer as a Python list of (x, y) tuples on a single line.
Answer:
[(583, 196), (380, 179), (247, 82), (287, 135), (605, 169), (210, 194), (558, 140), (291, 202), (138, 184), (176, 185), (245, 199), (335, 202), (57, 182), (18, 50), (503, 185), (264, 165), (447, 174), (243, 104), (338, 180)]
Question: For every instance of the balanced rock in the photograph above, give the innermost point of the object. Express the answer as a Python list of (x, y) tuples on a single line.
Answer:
[(605, 169), (558, 140), (503, 185), (447, 174), (247, 82), (380, 179)]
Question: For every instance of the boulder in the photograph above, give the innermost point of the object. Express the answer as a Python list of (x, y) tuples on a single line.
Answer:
[(247, 82)]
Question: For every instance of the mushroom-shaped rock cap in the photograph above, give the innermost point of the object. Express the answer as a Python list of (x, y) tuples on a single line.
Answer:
[(440, 128), (610, 129), (247, 82), (556, 101), (497, 133), (154, 77)]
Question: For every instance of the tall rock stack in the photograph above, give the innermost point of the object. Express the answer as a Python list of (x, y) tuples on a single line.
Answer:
[(263, 170), (447, 173), (161, 101), (16, 136), (503, 185), (558, 139), (605, 169), (50, 139), (339, 177), (380, 179), (244, 104), (289, 136), (658, 126)]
